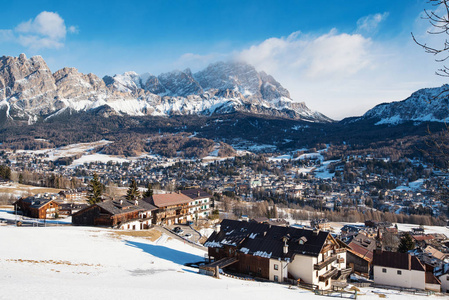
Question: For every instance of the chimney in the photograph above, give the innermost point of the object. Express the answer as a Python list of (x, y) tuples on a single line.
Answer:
[(121, 202), (198, 193), (136, 202), (217, 228), (285, 248)]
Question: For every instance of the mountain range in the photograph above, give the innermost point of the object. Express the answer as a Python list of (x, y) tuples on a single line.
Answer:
[(29, 91), (228, 102)]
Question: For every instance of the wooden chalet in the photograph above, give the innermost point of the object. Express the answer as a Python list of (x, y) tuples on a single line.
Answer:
[(172, 208), (278, 253), (39, 208), (122, 214), (201, 204), (67, 209), (181, 207), (78, 194), (360, 254)]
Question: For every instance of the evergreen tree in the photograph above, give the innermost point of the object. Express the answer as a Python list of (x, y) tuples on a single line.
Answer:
[(5, 172), (149, 192), (95, 190), (133, 192), (406, 243)]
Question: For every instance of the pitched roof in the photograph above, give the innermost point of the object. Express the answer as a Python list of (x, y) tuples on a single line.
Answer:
[(361, 251), (267, 240), (423, 237), (37, 202), (434, 252), (364, 242), (162, 200), (114, 207), (397, 260), (196, 194)]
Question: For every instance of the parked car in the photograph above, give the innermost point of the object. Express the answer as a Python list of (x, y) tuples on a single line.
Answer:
[(178, 230), (188, 235)]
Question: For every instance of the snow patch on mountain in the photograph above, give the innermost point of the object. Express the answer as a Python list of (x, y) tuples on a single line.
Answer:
[(33, 91), (425, 105)]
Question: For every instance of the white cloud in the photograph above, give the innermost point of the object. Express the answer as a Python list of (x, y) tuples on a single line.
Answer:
[(73, 29), (341, 74), (328, 55), (47, 30), (370, 23)]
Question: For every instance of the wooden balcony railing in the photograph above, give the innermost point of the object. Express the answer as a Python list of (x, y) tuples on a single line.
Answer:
[(325, 262), (328, 274)]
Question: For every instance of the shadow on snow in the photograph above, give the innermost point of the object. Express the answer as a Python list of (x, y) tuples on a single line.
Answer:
[(176, 256)]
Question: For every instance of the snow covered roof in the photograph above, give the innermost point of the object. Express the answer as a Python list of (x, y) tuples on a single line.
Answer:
[(267, 240)]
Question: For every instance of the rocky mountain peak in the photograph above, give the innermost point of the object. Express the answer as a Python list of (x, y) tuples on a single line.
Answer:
[(31, 91), (429, 104), (180, 83), (237, 76), (24, 79)]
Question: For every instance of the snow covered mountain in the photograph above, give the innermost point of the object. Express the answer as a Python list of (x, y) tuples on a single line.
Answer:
[(430, 104), (29, 91)]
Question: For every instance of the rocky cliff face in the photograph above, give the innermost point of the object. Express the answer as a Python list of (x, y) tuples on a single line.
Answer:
[(30, 91), (430, 104)]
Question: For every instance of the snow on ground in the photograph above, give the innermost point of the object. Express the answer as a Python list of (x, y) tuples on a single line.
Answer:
[(70, 150), (20, 190), (97, 158), (280, 158), (323, 171), (92, 263), (206, 231), (417, 184), (414, 185)]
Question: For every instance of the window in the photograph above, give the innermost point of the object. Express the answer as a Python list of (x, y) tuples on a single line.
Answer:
[(327, 282), (276, 267), (276, 278), (399, 272), (384, 270)]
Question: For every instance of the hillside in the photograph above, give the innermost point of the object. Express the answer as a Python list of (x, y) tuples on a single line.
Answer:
[(94, 263)]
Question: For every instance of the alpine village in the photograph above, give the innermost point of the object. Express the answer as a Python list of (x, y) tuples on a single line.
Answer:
[(214, 182)]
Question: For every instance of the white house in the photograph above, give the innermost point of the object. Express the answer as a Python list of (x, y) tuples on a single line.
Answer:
[(402, 270)]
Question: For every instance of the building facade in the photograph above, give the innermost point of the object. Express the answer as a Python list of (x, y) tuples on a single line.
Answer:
[(279, 253)]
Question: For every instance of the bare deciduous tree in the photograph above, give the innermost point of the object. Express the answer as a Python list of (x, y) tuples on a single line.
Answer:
[(440, 26)]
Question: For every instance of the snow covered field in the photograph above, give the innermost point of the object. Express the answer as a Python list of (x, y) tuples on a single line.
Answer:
[(91, 263)]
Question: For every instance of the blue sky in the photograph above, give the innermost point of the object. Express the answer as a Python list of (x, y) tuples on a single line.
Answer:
[(341, 57)]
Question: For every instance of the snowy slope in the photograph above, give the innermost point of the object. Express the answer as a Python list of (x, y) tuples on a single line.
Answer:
[(93, 263), (431, 104)]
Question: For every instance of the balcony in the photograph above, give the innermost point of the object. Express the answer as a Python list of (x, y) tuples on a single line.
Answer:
[(328, 274), (325, 262), (341, 250)]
